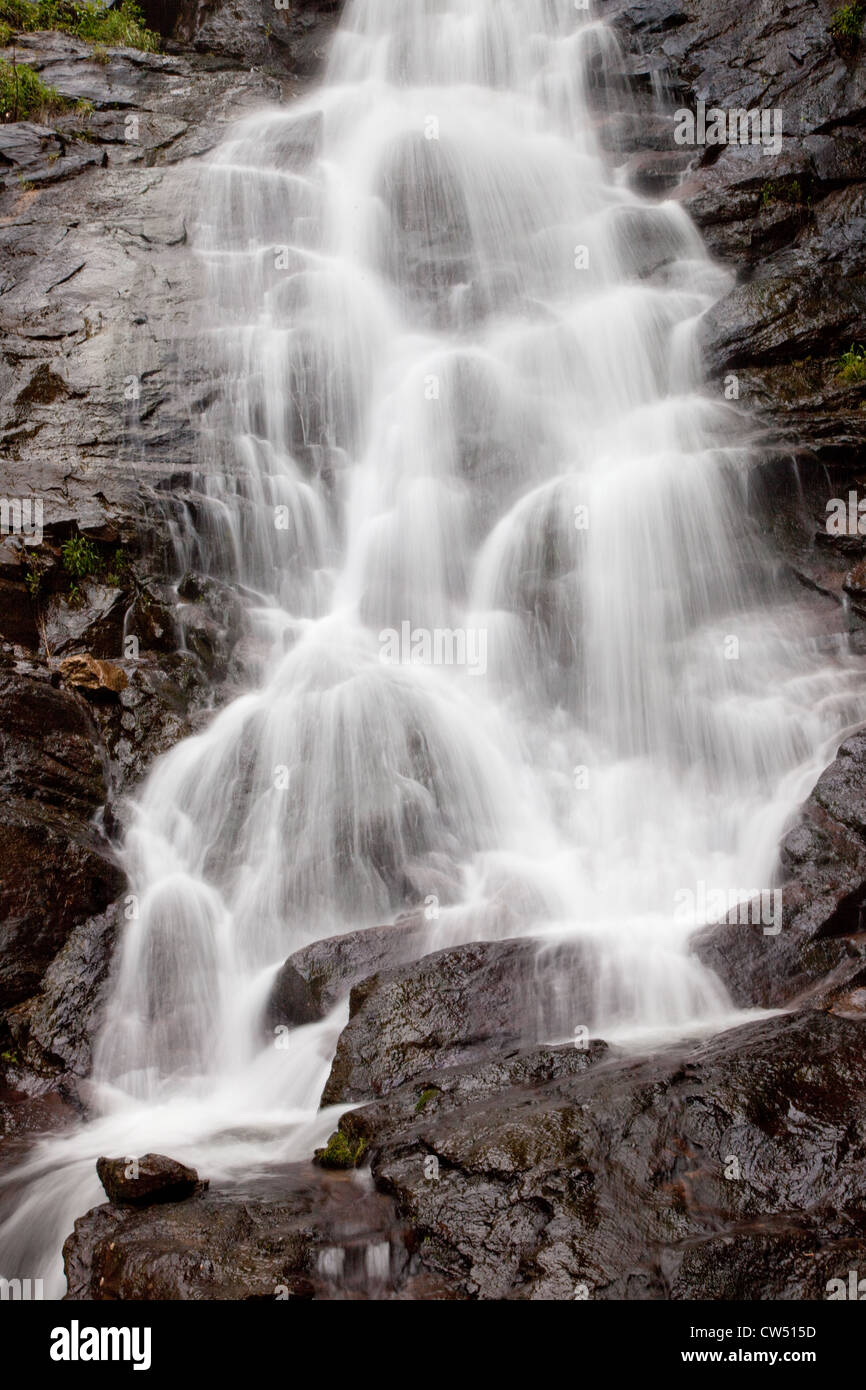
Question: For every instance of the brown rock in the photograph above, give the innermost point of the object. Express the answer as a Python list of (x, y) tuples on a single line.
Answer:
[(143, 1182), (86, 673)]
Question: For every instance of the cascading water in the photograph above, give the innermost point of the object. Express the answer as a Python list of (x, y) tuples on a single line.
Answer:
[(459, 415)]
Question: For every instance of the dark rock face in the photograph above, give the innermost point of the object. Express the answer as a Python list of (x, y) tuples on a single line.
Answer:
[(53, 1032), (202, 1249), (256, 32), (147, 1181), (57, 869)]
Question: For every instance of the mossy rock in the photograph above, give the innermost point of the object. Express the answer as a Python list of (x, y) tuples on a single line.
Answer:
[(340, 1152)]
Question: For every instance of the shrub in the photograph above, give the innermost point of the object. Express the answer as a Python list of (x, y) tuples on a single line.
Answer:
[(852, 364), (80, 557), (846, 25)]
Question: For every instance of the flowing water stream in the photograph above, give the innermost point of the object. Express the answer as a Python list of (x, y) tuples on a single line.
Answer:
[(524, 664)]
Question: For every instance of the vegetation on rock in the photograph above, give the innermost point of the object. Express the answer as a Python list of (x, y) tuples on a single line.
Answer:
[(852, 364), (122, 26), (25, 97), (340, 1153), (846, 25)]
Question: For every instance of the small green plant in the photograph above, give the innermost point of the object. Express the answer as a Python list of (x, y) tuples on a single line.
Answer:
[(846, 25), (424, 1098), (340, 1153), (117, 570), (782, 191), (33, 577), (80, 557), (852, 364)]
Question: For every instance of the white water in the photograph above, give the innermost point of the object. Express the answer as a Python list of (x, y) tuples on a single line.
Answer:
[(429, 384)]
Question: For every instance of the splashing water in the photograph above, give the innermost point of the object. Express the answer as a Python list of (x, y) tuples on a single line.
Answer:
[(524, 659)]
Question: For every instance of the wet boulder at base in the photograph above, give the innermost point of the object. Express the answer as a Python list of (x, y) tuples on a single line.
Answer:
[(727, 1169), (147, 1181)]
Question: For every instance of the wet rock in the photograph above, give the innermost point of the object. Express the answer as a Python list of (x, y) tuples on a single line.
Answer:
[(727, 1169), (86, 673), (56, 1029), (208, 1248), (779, 317), (253, 31), (318, 976), (90, 624), (449, 1008), (22, 1115), (147, 1181), (17, 615), (439, 1092), (57, 868), (165, 699), (151, 621), (23, 144), (53, 878)]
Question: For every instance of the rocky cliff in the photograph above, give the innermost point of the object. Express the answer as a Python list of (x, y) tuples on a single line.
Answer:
[(489, 1165)]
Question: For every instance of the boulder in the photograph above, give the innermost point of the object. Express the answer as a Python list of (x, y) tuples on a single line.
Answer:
[(147, 1181), (318, 976), (452, 1007)]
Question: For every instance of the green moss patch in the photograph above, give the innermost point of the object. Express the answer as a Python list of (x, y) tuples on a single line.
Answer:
[(339, 1152)]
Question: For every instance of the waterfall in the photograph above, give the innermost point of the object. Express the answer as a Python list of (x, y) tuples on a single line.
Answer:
[(523, 655)]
